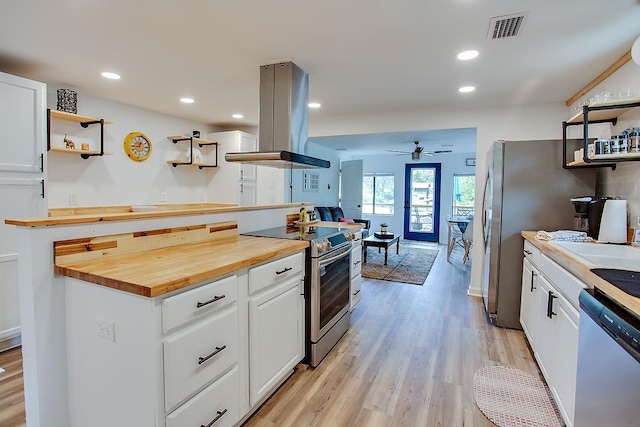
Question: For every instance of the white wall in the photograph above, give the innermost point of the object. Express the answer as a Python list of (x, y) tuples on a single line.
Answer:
[(329, 178), (543, 121), (450, 164), (116, 179)]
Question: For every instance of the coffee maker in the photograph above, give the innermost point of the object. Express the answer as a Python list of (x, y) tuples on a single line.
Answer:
[(588, 214), (581, 217)]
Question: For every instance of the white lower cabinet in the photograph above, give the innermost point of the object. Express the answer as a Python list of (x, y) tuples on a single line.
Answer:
[(216, 405), (276, 325), (529, 300), (212, 352), (550, 317)]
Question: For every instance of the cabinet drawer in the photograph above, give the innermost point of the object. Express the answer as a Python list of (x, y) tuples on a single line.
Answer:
[(276, 271), (198, 302), (357, 239), (356, 285), (532, 253), (564, 281), (356, 261), (213, 401), (215, 340)]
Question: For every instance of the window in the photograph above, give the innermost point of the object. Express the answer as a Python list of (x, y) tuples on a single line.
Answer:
[(377, 193), (464, 191)]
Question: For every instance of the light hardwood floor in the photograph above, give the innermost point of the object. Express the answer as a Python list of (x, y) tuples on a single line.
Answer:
[(407, 360)]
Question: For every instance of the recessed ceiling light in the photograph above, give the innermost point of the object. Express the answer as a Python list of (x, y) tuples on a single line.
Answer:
[(465, 89), (467, 54), (237, 116), (187, 100), (110, 75), (315, 105)]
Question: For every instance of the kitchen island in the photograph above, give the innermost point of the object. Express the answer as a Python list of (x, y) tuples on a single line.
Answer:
[(43, 296)]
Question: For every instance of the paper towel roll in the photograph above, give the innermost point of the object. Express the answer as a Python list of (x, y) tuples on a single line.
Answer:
[(613, 225)]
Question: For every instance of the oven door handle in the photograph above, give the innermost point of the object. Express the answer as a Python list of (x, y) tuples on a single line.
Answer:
[(323, 262)]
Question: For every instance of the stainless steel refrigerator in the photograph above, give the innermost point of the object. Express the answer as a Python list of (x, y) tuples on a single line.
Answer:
[(526, 189)]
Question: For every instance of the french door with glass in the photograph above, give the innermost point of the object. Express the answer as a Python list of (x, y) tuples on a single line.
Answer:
[(422, 201)]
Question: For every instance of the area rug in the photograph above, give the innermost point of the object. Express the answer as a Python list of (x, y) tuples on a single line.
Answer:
[(412, 265), (512, 398)]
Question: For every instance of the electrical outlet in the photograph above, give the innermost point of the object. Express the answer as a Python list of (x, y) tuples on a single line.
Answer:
[(163, 197), (73, 199), (106, 330)]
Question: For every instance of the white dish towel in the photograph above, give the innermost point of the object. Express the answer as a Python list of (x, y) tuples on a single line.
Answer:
[(566, 235)]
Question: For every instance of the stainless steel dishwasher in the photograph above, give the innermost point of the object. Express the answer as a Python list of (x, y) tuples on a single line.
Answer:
[(608, 377)]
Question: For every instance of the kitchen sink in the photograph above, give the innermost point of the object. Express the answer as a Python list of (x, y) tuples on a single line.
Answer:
[(605, 255)]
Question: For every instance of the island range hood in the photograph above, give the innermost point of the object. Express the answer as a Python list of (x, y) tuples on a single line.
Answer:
[(284, 120)]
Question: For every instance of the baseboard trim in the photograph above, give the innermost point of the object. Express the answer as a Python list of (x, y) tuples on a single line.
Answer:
[(10, 343)]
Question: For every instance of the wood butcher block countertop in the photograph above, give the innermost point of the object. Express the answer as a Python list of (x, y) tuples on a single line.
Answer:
[(582, 271), (124, 262)]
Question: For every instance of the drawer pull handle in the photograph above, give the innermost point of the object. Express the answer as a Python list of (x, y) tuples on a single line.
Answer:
[(356, 292), (220, 414), (214, 299), (357, 262), (550, 312), (285, 270), (533, 275), (528, 252), (201, 360)]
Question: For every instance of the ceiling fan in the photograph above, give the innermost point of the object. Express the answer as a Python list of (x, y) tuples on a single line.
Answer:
[(418, 152)]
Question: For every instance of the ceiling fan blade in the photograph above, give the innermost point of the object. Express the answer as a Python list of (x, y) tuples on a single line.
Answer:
[(397, 151), (431, 153)]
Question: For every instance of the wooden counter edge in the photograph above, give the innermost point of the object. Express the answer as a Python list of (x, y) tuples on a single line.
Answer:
[(183, 281), (582, 271), (126, 216)]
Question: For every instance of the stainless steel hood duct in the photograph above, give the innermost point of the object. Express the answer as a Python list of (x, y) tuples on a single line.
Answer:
[(284, 120)]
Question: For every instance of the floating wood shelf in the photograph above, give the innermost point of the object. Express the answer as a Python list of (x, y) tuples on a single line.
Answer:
[(598, 112), (81, 152), (616, 109), (201, 143), (175, 163), (63, 115), (84, 121)]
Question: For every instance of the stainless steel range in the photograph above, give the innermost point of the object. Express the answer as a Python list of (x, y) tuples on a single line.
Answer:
[(327, 281)]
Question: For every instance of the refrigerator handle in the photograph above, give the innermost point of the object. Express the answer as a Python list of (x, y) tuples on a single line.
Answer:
[(484, 211)]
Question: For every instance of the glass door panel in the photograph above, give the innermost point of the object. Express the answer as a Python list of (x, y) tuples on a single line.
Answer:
[(422, 201)]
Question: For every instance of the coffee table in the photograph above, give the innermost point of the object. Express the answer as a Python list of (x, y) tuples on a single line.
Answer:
[(381, 243)]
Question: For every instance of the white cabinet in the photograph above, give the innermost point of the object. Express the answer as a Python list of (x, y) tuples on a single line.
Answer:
[(143, 375), (550, 318), (215, 350), (22, 156), (529, 293), (276, 324), (356, 268), (233, 182)]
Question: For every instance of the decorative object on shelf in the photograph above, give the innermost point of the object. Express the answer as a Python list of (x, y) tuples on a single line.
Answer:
[(196, 134), (137, 146), (67, 101), (196, 153), (471, 162), (383, 227), (85, 146), (69, 143)]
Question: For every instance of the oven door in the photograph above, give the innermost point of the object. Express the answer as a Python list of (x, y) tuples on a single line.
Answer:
[(330, 275)]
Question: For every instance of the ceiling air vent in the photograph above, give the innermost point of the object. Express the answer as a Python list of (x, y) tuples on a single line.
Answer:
[(505, 26)]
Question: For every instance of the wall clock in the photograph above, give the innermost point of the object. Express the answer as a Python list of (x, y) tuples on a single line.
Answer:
[(138, 146)]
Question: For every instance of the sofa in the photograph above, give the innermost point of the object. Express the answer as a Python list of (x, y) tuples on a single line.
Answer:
[(334, 213)]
